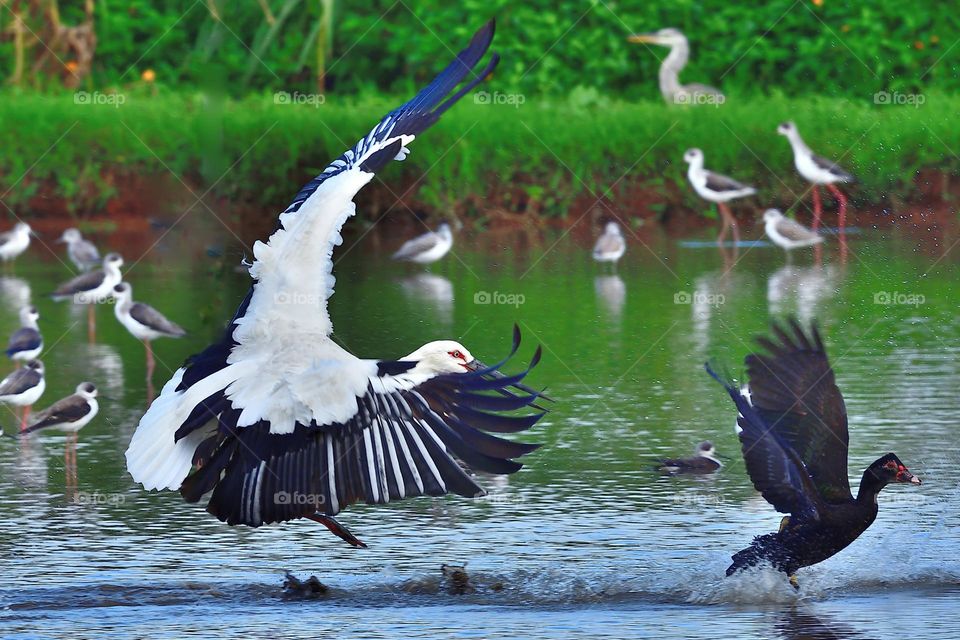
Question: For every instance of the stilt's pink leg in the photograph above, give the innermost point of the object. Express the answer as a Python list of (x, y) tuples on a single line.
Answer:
[(150, 362), (91, 323), (816, 207), (726, 217), (842, 204)]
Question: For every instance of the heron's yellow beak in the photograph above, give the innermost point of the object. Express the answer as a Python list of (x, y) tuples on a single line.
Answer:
[(644, 37)]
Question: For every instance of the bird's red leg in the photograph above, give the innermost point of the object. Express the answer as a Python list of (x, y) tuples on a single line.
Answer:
[(842, 204), (150, 363), (91, 323), (725, 216), (26, 414), (816, 207), (337, 529)]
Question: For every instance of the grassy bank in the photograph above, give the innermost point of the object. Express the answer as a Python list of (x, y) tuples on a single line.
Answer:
[(537, 157)]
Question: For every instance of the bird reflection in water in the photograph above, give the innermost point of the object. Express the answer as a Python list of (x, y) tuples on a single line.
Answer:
[(612, 294)]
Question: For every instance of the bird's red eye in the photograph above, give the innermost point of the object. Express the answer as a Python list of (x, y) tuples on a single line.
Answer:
[(456, 354)]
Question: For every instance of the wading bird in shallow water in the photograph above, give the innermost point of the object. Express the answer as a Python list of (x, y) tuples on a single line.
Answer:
[(277, 421), (674, 92), (704, 460), (23, 388), (26, 343), (92, 288), (15, 241), (716, 188), (611, 245), (68, 414), (81, 252), (817, 171), (143, 321), (794, 438), (428, 247), (786, 233)]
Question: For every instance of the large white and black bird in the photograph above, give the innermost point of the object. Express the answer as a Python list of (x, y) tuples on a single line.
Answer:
[(670, 87), (817, 171), (82, 253), (143, 321), (716, 188), (68, 414), (23, 388), (26, 343), (15, 241), (428, 247), (277, 421)]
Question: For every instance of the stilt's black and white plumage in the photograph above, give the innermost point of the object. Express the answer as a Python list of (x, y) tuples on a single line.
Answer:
[(82, 253), (611, 245), (277, 421), (95, 286), (716, 188), (26, 343), (68, 414), (23, 388)]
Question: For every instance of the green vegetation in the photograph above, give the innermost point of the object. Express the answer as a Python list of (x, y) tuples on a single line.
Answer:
[(536, 157), (825, 47)]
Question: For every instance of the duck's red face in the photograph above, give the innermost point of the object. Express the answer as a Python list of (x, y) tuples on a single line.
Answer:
[(895, 471)]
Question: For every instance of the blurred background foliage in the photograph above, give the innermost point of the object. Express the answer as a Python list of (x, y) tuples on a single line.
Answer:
[(827, 47)]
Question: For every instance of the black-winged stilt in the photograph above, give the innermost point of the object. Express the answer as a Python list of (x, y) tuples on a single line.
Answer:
[(68, 414), (143, 321), (23, 388), (794, 438), (26, 343), (817, 171), (81, 252), (611, 245), (786, 233), (704, 460), (718, 189), (92, 288), (15, 241), (277, 421), (670, 87), (427, 248)]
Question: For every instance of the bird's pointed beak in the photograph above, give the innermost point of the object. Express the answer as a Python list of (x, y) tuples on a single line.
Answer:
[(474, 365), (906, 477), (638, 38)]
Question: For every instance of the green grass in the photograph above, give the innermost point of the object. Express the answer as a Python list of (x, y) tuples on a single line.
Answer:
[(536, 157)]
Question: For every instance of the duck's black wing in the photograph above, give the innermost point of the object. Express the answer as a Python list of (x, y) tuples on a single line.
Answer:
[(774, 467), (794, 391)]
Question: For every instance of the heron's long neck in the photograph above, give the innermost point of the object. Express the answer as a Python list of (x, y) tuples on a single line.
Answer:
[(675, 61)]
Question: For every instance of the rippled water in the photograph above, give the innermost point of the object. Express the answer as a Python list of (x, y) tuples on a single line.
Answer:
[(586, 539)]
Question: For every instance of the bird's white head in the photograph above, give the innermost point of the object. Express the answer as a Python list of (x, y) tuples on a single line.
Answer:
[(444, 230), (122, 291), (29, 315), (22, 227), (668, 37), (772, 215), (70, 236), (706, 449), (113, 260), (443, 356), (612, 228), (787, 128), (87, 390), (693, 156)]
